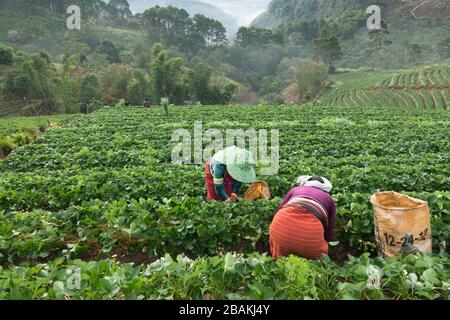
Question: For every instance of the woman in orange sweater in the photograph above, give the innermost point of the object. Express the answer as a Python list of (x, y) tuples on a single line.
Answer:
[(304, 222)]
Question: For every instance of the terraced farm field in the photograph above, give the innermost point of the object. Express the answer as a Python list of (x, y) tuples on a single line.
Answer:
[(101, 194), (427, 88)]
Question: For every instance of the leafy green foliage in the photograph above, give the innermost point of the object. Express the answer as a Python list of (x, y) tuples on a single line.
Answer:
[(112, 53), (257, 36), (90, 88), (105, 182), (17, 132), (173, 26), (230, 276), (6, 55)]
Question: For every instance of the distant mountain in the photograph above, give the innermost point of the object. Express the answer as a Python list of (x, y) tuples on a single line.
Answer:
[(418, 30), (282, 11), (192, 7)]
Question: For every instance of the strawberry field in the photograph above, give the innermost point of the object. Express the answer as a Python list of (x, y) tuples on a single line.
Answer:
[(426, 88), (102, 194), (17, 132)]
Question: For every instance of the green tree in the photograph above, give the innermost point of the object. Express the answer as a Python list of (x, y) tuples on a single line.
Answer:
[(167, 75), (212, 31), (68, 84), (174, 27), (229, 92), (90, 88), (327, 48), (139, 88), (257, 36), (199, 78), (310, 79), (6, 55), (201, 88), (40, 75), (17, 83), (119, 8), (168, 25), (112, 53), (375, 43)]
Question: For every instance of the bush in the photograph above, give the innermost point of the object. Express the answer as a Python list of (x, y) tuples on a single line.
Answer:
[(6, 147), (74, 108), (90, 88), (6, 55), (91, 106), (17, 83), (43, 125), (311, 79), (29, 130), (21, 139)]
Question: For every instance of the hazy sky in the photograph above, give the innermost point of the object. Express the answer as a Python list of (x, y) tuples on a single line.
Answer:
[(244, 10)]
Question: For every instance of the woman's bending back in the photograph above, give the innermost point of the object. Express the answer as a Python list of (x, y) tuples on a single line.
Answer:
[(304, 223)]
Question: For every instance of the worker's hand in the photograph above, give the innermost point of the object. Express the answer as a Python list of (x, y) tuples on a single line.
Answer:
[(234, 197)]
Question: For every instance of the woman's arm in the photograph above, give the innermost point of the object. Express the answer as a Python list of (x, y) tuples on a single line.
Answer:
[(329, 233), (236, 186), (218, 173)]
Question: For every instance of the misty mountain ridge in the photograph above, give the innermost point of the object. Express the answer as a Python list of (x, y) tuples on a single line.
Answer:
[(415, 30), (284, 11)]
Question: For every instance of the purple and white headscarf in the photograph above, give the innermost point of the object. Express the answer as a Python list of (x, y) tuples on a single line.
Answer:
[(324, 184)]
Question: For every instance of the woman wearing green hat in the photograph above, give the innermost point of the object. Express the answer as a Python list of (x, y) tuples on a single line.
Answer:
[(226, 171)]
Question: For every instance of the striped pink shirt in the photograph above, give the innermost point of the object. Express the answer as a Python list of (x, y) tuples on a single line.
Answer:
[(322, 198)]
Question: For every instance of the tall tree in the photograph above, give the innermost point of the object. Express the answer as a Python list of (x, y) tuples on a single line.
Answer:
[(199, 78), (212, 31), (167, 75), (376, 42), (139, 88), (40, 75), (90, 88), (327, 48), (120, 8), (173, 26)]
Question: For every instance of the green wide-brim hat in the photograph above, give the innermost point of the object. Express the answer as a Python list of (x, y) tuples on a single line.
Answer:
[(239, 163), (242, 173)]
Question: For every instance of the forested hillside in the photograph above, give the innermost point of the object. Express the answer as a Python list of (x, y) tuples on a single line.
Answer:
[(284, 11), (47, 68), (414, 32)]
